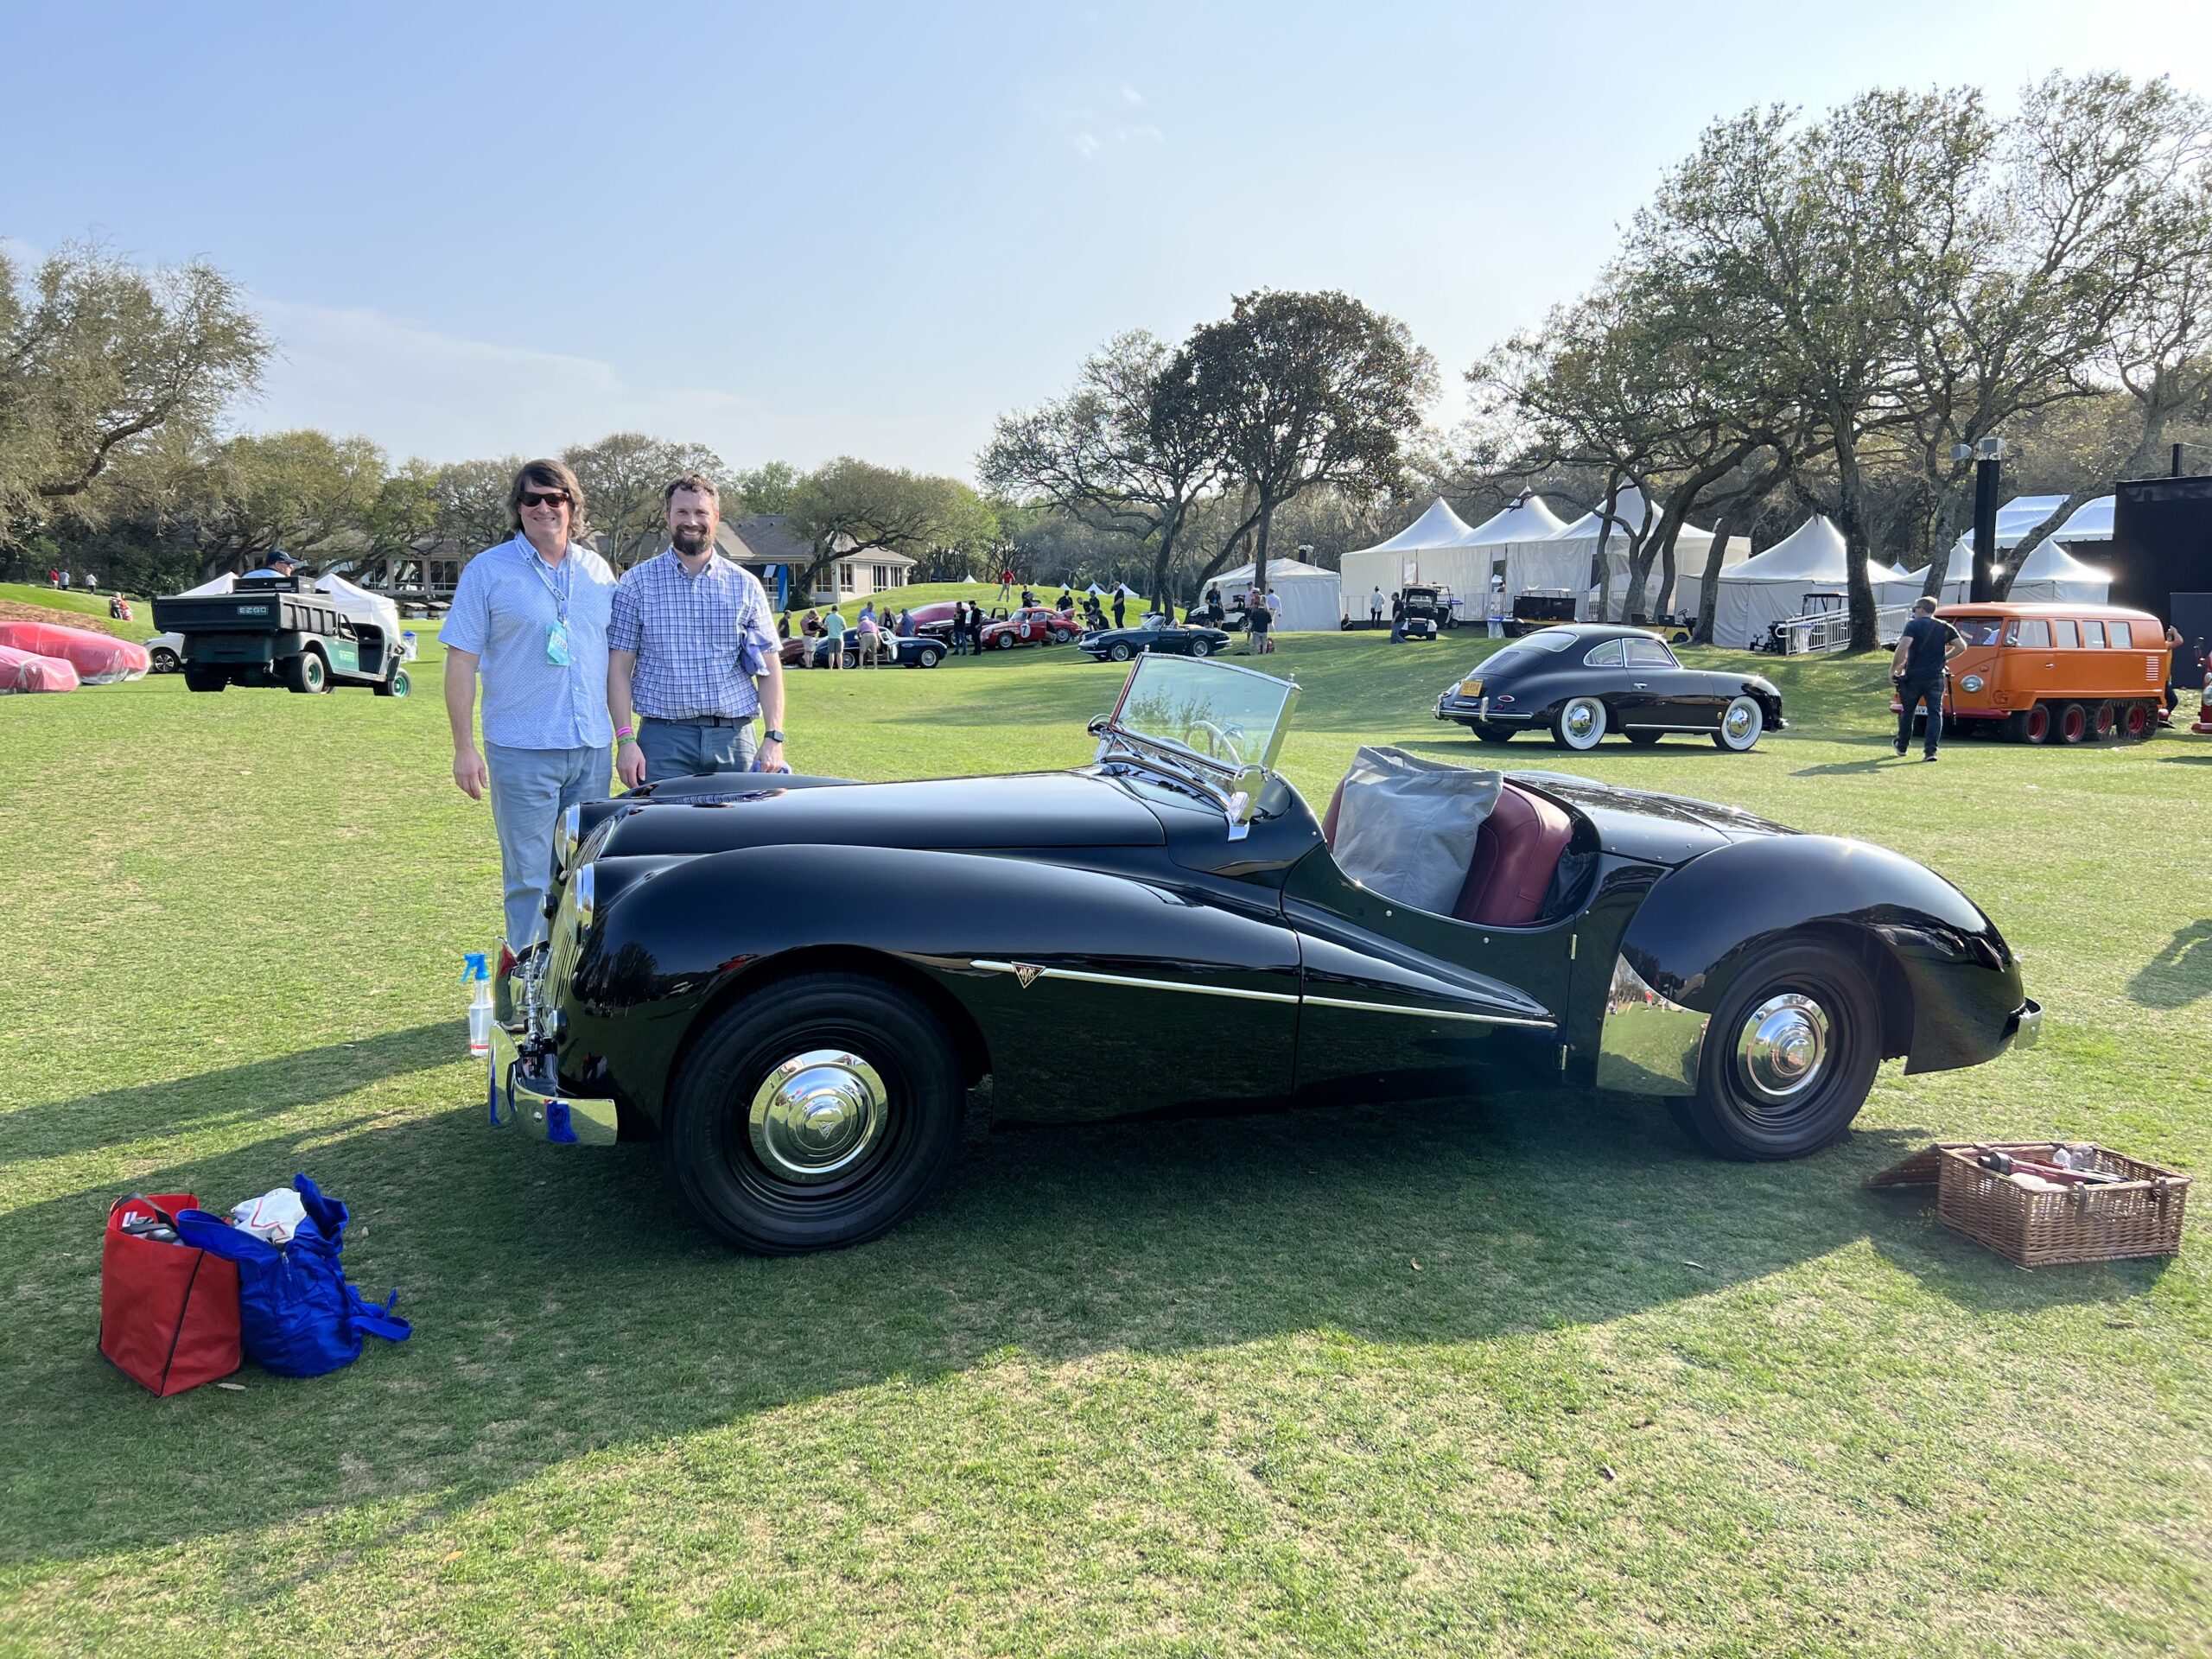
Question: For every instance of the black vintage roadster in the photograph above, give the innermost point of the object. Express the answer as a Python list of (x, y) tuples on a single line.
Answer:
[(725, 974), (1581, 680)]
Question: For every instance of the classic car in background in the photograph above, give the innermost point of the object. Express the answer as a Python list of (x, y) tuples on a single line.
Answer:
[(792, 984), (2054, 673), (1580, 681), (1423, 613), (919, 651), (1036, 627), (1155, 633)]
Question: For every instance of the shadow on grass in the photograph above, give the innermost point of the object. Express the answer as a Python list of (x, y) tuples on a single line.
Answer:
[(562, 1302), (2180, 973), (259, 1089)]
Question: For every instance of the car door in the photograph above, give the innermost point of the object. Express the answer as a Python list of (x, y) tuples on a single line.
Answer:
[(1604, 674), (1676, 697)]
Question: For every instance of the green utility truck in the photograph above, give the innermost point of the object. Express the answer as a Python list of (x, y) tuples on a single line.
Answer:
[(274, 630)]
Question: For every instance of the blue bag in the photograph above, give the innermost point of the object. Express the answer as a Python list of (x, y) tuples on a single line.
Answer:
[(297, 1315)]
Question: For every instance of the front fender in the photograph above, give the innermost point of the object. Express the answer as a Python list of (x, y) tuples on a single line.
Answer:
[(1122, 964), (1950, 986)]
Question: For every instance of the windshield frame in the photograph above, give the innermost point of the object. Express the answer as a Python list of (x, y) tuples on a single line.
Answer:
[(1232, 786)]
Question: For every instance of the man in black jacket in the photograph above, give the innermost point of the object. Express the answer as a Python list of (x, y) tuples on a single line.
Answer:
[(1917, 667)]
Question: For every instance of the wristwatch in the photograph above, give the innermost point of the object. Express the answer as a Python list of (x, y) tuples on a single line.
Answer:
[(771, 735)]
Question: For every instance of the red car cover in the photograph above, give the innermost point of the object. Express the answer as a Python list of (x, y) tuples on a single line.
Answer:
[(26, 671), (98, 658)]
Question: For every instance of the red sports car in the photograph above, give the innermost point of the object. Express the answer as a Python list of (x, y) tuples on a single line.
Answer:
[(1031, 627)]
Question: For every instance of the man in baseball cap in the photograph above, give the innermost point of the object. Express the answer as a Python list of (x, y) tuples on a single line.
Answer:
[(277, 565)]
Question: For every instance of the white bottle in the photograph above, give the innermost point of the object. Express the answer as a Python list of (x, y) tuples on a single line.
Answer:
[(480, 1006)]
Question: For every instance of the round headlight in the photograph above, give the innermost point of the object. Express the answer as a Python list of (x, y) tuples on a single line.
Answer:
[(1971, 683)]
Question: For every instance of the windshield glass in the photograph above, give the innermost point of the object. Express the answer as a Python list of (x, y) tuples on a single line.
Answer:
[(1228, 715)]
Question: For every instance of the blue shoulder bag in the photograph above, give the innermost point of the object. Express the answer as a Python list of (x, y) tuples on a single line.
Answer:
[(298, 1314)]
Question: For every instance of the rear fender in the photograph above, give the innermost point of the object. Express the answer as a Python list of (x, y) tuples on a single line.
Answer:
[(1948, 984)]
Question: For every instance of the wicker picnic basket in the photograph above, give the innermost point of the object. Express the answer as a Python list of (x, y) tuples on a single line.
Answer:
[(2140, 1215)]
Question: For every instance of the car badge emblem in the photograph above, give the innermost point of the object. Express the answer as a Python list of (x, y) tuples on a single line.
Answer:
[(1025, 972)]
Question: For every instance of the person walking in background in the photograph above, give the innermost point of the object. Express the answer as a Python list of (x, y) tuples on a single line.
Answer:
[(833, 633), (690, 651), (1271, 602), (1916, 665), (1375, 608), (529, 619), (1121, 595)]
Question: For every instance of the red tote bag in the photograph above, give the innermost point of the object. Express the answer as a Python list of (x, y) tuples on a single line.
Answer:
[(169, 1313)]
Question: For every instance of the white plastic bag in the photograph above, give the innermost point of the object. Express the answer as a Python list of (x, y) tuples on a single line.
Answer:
[(275, 1216)]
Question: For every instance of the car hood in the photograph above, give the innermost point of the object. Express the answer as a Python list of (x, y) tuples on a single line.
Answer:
[(1644, 824), (1052, 809)]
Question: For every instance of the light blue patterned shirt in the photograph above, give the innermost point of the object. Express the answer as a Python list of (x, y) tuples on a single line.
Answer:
[(507, 601), (691, 634)]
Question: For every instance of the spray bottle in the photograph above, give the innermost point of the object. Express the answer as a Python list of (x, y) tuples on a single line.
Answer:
[(479, 1007)]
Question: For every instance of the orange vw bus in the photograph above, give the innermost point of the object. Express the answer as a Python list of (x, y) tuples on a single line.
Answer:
[(2055, 673)]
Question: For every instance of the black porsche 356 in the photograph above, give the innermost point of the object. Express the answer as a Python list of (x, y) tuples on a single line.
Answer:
[(725, 974), (1581, 680)]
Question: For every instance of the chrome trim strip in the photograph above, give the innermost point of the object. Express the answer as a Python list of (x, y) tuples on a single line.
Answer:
[(555, 1116), (1432, 1014), (1134, 982), (1650, 1044)]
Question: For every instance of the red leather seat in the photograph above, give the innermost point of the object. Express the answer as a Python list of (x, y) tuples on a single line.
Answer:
[(1515, 852)]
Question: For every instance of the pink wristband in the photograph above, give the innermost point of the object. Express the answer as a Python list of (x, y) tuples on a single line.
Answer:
[(624, 733)]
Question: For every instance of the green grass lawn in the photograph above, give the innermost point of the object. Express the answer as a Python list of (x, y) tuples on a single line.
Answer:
[(1526, 1378), (83, 605)]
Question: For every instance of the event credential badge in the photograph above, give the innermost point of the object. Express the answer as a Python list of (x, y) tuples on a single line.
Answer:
[(556, 644)]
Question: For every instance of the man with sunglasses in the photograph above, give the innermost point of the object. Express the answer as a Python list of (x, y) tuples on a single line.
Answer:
[(530, 616)]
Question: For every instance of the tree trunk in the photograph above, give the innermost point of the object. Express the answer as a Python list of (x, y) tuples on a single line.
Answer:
[(1850, 507), (1744, 507), (1604, 539)]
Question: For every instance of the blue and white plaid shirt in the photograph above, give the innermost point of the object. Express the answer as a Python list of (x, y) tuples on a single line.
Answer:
[(507, 601), (691, 634)]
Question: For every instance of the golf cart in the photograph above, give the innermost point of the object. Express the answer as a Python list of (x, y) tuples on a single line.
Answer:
[(1423, 614), (284, 630)]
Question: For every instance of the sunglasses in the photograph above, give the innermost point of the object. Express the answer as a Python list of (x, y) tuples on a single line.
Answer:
[(544, 497)]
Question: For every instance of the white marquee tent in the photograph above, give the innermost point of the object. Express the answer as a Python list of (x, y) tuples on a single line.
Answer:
[(1428, 551), (1692, 545), (2051, 575), (1309, 594), (1389, 565), (1771, 587)]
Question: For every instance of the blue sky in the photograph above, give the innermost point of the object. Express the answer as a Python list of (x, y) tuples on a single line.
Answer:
[(861, 228)]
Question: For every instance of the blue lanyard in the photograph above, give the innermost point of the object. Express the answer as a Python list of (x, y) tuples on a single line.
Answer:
[(560, 590)]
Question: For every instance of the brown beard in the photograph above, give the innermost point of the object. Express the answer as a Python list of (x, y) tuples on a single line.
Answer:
[(689, 540)]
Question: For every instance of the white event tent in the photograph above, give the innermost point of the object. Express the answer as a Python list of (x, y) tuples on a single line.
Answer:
[(1430, 551), (1390, 565), (1771, 587), (2052, 573), (1692, 546), (1309, 594)]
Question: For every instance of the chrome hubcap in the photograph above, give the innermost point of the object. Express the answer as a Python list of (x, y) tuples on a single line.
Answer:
[(817, 1115), (1581, 719), (1783, 1047), (1740, 719)]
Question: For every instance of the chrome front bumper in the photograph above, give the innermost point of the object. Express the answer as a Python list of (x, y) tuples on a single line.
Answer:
[(524, 1090)]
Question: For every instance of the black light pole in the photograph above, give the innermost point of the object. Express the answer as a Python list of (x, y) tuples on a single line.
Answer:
[(1988, 464)]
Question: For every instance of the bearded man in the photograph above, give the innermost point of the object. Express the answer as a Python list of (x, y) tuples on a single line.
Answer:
[(692, 650)]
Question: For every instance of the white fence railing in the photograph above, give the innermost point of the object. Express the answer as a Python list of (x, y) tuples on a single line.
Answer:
[(1830, 630)]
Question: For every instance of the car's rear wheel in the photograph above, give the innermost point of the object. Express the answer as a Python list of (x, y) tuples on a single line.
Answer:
[(1741, 724), (201, 678), (307, 672), (2137, 721), (1790, 1055), (1579, 724), (1061, 636), (162, 660), (2030, 724), (2072, 724), (818, 1112), (2103, 718), (1643, 740), (1200, 646), (1119, 651)]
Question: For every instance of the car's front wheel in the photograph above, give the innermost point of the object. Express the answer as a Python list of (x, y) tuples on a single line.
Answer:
[(1201, 647), (1006, 642), (1790, 1055), (928, 657), (818, 1112), (1741, 723), (1579, 724), (1119, 651), (162, 660)]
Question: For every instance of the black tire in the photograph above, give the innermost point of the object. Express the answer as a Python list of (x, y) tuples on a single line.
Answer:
[(1730, 1115), (2137, 721), (305, 673), (1005, 641), (2103, 718), (198, 677), (1119, 652), (2069, 724), (1486, 734), (162, 660), (1643, 740), (928, 657), (722, 1163), (1201, 647), (1742, 724), (1061, 636)]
